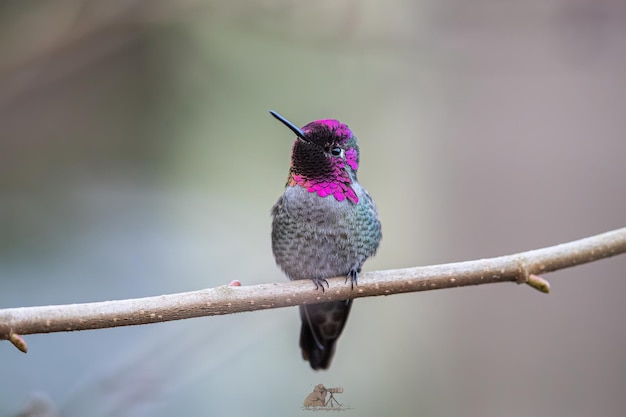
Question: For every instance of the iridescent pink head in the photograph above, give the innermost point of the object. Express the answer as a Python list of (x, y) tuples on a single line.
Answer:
[(324, 158)]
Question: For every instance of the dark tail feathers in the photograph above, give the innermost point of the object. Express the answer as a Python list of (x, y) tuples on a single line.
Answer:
[(322, 325)]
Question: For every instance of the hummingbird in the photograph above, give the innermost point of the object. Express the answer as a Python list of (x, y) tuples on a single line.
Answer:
[(324, 225)]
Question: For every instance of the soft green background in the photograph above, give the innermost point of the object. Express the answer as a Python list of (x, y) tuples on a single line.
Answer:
[(137, 158)]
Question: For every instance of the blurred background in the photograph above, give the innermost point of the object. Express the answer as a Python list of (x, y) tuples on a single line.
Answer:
[(137, 158)]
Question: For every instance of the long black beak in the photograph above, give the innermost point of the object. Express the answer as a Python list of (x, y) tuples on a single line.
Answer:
[(290, 125)]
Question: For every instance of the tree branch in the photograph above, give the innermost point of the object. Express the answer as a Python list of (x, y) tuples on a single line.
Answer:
[(521, 268)]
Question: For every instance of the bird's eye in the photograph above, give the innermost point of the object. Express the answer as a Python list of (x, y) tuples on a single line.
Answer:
[(336, 151)]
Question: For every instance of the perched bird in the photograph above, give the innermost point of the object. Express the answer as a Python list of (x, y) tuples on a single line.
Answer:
[(324, 225)]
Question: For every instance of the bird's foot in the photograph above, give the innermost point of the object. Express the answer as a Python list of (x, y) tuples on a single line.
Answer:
[(319, 282), (353, 276)]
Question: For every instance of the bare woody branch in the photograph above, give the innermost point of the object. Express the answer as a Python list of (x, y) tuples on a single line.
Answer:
[(524, 267)]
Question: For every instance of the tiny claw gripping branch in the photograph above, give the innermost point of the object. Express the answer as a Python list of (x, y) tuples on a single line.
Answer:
[(319, 282), (353, 276)]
